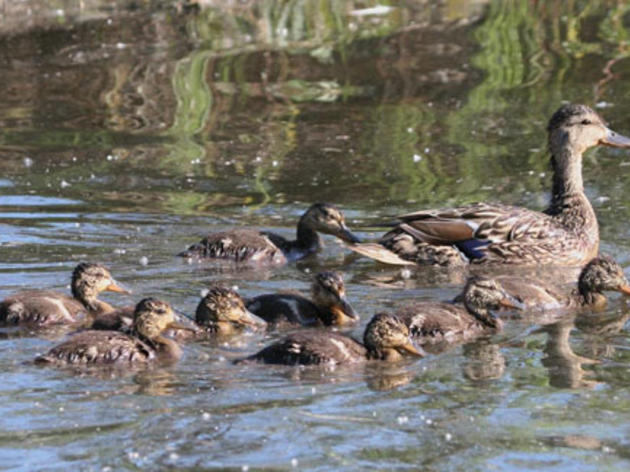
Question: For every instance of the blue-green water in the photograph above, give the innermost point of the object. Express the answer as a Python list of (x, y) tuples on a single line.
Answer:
[(127, 132)]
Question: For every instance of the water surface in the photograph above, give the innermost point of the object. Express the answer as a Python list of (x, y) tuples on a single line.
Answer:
[(128, 131)]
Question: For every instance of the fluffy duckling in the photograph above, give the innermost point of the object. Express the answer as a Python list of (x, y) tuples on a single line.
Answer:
[(329, 305), (144, 344), (222, 312), (46, 307), (386, 338), (262, 247), (600, 275), (444, 322)]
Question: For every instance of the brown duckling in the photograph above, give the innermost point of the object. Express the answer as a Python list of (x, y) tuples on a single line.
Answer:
[(566, 233), (329, 306), (386, 338), (145, 344), (46, 307), (445, 322), (262, 247), (222, 312), (601, 274)]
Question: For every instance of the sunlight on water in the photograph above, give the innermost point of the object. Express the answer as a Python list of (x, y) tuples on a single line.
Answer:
[(128, 131)]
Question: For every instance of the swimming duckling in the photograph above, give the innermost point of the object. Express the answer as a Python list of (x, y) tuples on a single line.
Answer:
[(386, 338), (444, 322), (329, 306), (145, 344), (222, 312), (262, 247), (601, 274), (46, 307)]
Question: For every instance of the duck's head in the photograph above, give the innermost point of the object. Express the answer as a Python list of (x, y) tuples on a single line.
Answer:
[(224, 307), (602, 274), (152, 317), (482, 295), (327, 219), (89, 280), (386, 337), (328, 290), (579, 127)]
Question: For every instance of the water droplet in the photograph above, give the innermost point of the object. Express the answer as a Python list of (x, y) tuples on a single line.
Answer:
[(245, 468), (405, 274), (402, 420), (203, 292), (448, 436), (205, 416), (173, 456), (294, 462), (144, 260), (417, 158), (28, 162)]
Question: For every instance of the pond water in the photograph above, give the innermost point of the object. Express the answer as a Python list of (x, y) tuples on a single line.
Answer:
[(130, 130)]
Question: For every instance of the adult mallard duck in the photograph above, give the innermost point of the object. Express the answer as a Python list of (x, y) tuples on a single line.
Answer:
[(600, 275), (46, 307), (566, 233), (328, 307), (446, 322), (386, 338), (145, 344), (262, 247)]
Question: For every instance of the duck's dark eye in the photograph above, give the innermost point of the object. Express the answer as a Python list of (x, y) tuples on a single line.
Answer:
[(586, 122), (160, 311)]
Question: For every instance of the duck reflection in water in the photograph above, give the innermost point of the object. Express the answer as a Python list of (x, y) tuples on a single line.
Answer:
[(563, 365), (484, 361)]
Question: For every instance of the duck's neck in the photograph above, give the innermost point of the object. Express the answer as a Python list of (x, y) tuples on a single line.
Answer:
[(220, 328), (569, 204), (567, 174), (388, 355), (164, 347), (483, 316), (307, 238), (92, 303), (592, 299)]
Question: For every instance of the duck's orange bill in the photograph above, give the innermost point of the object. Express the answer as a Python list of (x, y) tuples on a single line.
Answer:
[(511, 303), (625, 289), (411, 349), (115, 287)]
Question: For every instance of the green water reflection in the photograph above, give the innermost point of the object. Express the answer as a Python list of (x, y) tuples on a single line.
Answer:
[(128, 129)]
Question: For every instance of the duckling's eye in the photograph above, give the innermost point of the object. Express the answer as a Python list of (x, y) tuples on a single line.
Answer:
[(586, 122), (160, 311)]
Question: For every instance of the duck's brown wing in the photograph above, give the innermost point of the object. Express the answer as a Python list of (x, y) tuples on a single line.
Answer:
[(433, 323), (492, 233), (98, 347), (40, 307), (312, 348), (236, 245), (284, 309)]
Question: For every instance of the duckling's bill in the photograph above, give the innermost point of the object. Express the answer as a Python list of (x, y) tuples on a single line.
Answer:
[(115, 286), (410, 348)]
